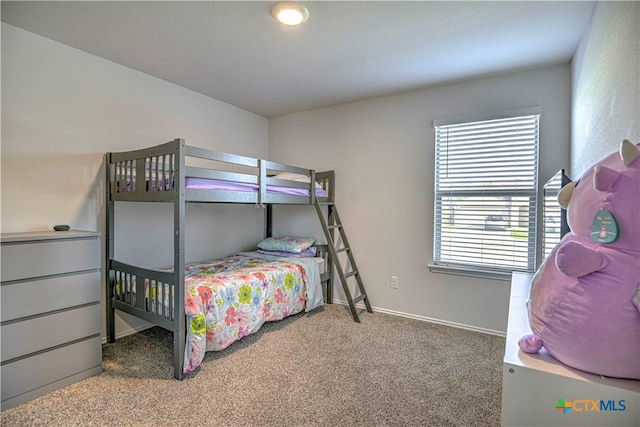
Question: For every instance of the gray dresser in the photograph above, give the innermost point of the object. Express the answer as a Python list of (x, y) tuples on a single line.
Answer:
[(50, 318)]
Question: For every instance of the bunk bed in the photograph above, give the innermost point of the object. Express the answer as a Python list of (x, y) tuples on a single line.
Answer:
[(178, 174)]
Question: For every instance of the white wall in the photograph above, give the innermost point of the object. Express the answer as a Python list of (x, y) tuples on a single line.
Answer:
[(382, 150), (606, 85), (63, 109)]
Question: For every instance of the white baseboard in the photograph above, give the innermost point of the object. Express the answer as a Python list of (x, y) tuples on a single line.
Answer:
[(427, 319), (131, 331)]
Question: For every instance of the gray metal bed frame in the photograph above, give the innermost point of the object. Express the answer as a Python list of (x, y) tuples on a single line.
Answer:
[(157, 174)]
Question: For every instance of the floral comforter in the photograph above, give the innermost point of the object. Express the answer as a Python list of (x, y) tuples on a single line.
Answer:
[(230, 298)]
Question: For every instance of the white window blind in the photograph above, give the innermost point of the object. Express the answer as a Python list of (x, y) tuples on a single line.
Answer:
[(485, 194)]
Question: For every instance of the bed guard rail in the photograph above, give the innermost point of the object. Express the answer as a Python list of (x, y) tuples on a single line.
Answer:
[(148, 294)]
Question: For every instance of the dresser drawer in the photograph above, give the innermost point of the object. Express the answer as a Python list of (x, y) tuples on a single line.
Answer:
[(45, 258), (43, 332), (31, 373), (50, 294)]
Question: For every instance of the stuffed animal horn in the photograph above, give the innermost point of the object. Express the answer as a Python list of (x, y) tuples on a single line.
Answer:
[(584, 302)]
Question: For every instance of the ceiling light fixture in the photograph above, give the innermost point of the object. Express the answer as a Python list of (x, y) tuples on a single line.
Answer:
[(289, 13)]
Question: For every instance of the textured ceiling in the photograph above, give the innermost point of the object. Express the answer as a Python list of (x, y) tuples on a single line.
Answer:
[(237, 53)]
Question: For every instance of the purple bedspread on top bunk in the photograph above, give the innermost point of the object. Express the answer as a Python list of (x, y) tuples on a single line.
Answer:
[(214, 184)]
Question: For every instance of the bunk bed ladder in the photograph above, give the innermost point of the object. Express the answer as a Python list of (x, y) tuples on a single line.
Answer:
[(338, 246)]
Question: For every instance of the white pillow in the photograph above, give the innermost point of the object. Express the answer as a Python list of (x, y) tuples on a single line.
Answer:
[(295, 177)]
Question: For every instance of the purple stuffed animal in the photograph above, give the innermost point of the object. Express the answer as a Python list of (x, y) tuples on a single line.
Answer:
[(584, 302)]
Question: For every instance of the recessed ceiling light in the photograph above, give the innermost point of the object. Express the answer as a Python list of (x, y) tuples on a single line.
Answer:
[(289, 13)]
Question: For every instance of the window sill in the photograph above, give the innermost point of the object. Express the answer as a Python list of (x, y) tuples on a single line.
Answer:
[(470, 272)]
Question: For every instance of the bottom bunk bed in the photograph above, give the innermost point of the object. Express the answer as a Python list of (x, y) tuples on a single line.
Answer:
[(224, 299)]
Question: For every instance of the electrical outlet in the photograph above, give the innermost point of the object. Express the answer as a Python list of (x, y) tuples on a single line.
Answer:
[(394, 282)]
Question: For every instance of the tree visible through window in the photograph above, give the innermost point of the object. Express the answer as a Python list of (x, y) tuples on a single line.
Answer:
[(485, 193)]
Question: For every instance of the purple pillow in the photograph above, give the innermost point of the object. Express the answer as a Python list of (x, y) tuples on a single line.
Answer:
[(307, 253), (287, 244)]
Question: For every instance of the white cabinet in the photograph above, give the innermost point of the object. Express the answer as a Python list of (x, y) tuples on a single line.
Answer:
[(50, 317), (533, 384)]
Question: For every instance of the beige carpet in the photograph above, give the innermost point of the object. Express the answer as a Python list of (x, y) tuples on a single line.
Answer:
[(317, 369)]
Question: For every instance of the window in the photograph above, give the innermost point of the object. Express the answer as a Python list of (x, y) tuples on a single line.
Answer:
[(485, 193)]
